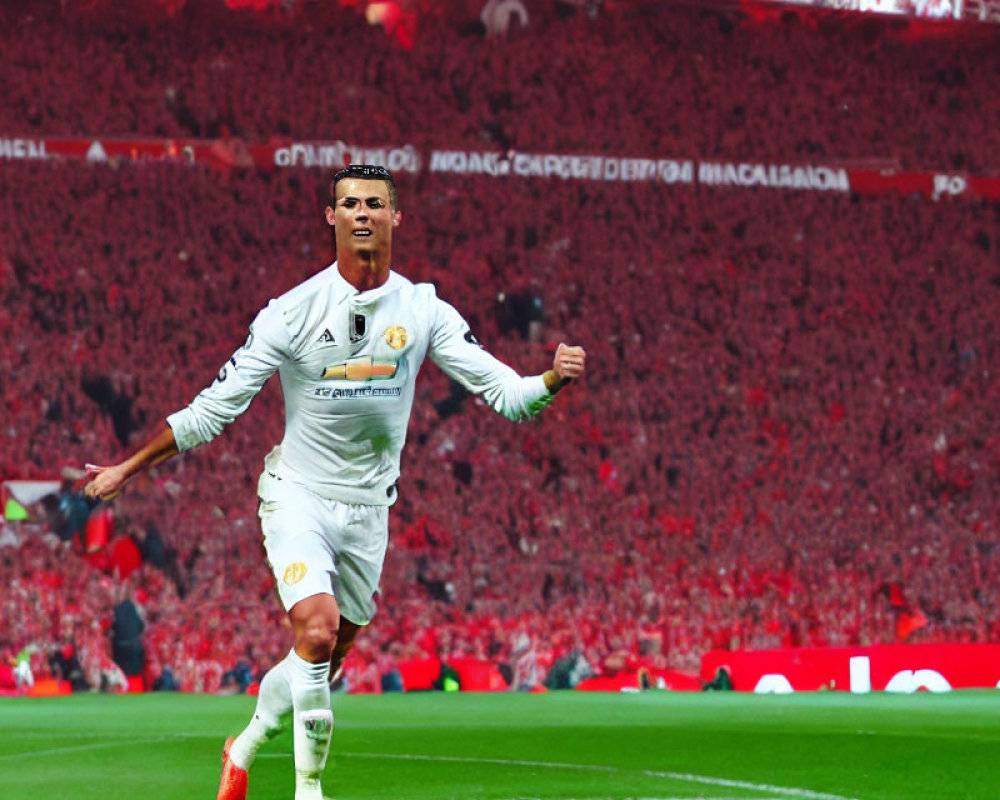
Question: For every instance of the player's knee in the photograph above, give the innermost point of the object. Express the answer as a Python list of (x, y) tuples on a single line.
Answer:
[(317, 645), (316, 640), (315, 622)]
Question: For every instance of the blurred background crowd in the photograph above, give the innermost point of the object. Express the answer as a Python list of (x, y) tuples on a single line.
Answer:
[(788, 433)]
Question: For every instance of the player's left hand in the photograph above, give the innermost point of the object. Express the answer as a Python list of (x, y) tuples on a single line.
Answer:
[(570, 362)]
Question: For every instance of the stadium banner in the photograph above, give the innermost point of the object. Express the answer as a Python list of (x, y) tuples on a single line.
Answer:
[(867, 178), (932, 10), (903, 668)]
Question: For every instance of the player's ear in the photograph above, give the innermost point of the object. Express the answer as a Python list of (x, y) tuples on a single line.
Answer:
[(331, 218), (397, 217)]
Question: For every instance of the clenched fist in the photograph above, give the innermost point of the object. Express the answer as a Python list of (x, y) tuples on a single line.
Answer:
[(569, 362)]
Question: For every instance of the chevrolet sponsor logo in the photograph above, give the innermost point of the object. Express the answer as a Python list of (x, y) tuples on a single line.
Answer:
[(362, 368)]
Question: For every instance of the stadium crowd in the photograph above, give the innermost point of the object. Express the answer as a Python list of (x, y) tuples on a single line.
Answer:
[(684, 82), (788, 432)]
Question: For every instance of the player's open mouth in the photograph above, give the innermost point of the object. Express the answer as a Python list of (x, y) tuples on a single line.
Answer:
[(362, 233)]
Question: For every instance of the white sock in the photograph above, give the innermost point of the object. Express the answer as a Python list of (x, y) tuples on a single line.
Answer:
[(273, 700), (312, 724)]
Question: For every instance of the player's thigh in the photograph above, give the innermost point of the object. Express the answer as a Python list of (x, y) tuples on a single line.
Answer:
[(292, 521), (360, 553)]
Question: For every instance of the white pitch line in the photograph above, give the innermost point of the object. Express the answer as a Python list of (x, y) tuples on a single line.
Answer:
[(501, 761), (806, 794), (118, 742), (785, 792), (55, 751)]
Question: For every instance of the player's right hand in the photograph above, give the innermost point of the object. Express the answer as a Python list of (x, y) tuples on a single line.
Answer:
[(106, 482)]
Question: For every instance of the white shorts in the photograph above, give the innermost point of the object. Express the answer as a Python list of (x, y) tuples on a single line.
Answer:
[(318, 546)]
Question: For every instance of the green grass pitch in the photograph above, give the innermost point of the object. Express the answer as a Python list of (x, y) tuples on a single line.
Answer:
[(822, 746)]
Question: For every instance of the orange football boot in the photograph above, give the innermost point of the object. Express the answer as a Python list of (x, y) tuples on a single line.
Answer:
[(233, 783)]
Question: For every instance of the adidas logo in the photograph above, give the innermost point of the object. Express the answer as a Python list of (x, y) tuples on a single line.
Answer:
[(326, 337)]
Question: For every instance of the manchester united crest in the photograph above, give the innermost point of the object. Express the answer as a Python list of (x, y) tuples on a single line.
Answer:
[(395, 337), (294, 573)]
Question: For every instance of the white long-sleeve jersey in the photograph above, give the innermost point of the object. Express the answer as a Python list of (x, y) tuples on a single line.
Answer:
[(348, 362)]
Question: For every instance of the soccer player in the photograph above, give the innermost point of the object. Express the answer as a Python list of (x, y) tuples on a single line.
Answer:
[(347, 344)]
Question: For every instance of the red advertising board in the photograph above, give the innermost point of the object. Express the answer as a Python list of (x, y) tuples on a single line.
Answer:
[(902, 668)]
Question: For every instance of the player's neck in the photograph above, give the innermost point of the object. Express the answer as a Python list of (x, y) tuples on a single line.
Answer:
[(364, 271)]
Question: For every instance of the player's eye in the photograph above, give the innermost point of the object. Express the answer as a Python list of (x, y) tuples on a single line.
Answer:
[(374, 202)]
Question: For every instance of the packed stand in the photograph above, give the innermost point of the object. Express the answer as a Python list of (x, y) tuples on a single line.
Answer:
[(646, 79), (787, 435)]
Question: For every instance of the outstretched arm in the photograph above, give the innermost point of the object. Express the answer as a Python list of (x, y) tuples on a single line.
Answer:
[(108, 481), (238, 382), (456, 351)]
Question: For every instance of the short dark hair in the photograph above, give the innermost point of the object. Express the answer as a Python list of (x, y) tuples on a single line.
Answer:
[(368, 172)]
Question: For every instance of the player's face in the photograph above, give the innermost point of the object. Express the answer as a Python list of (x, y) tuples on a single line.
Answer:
[(361, 216)]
